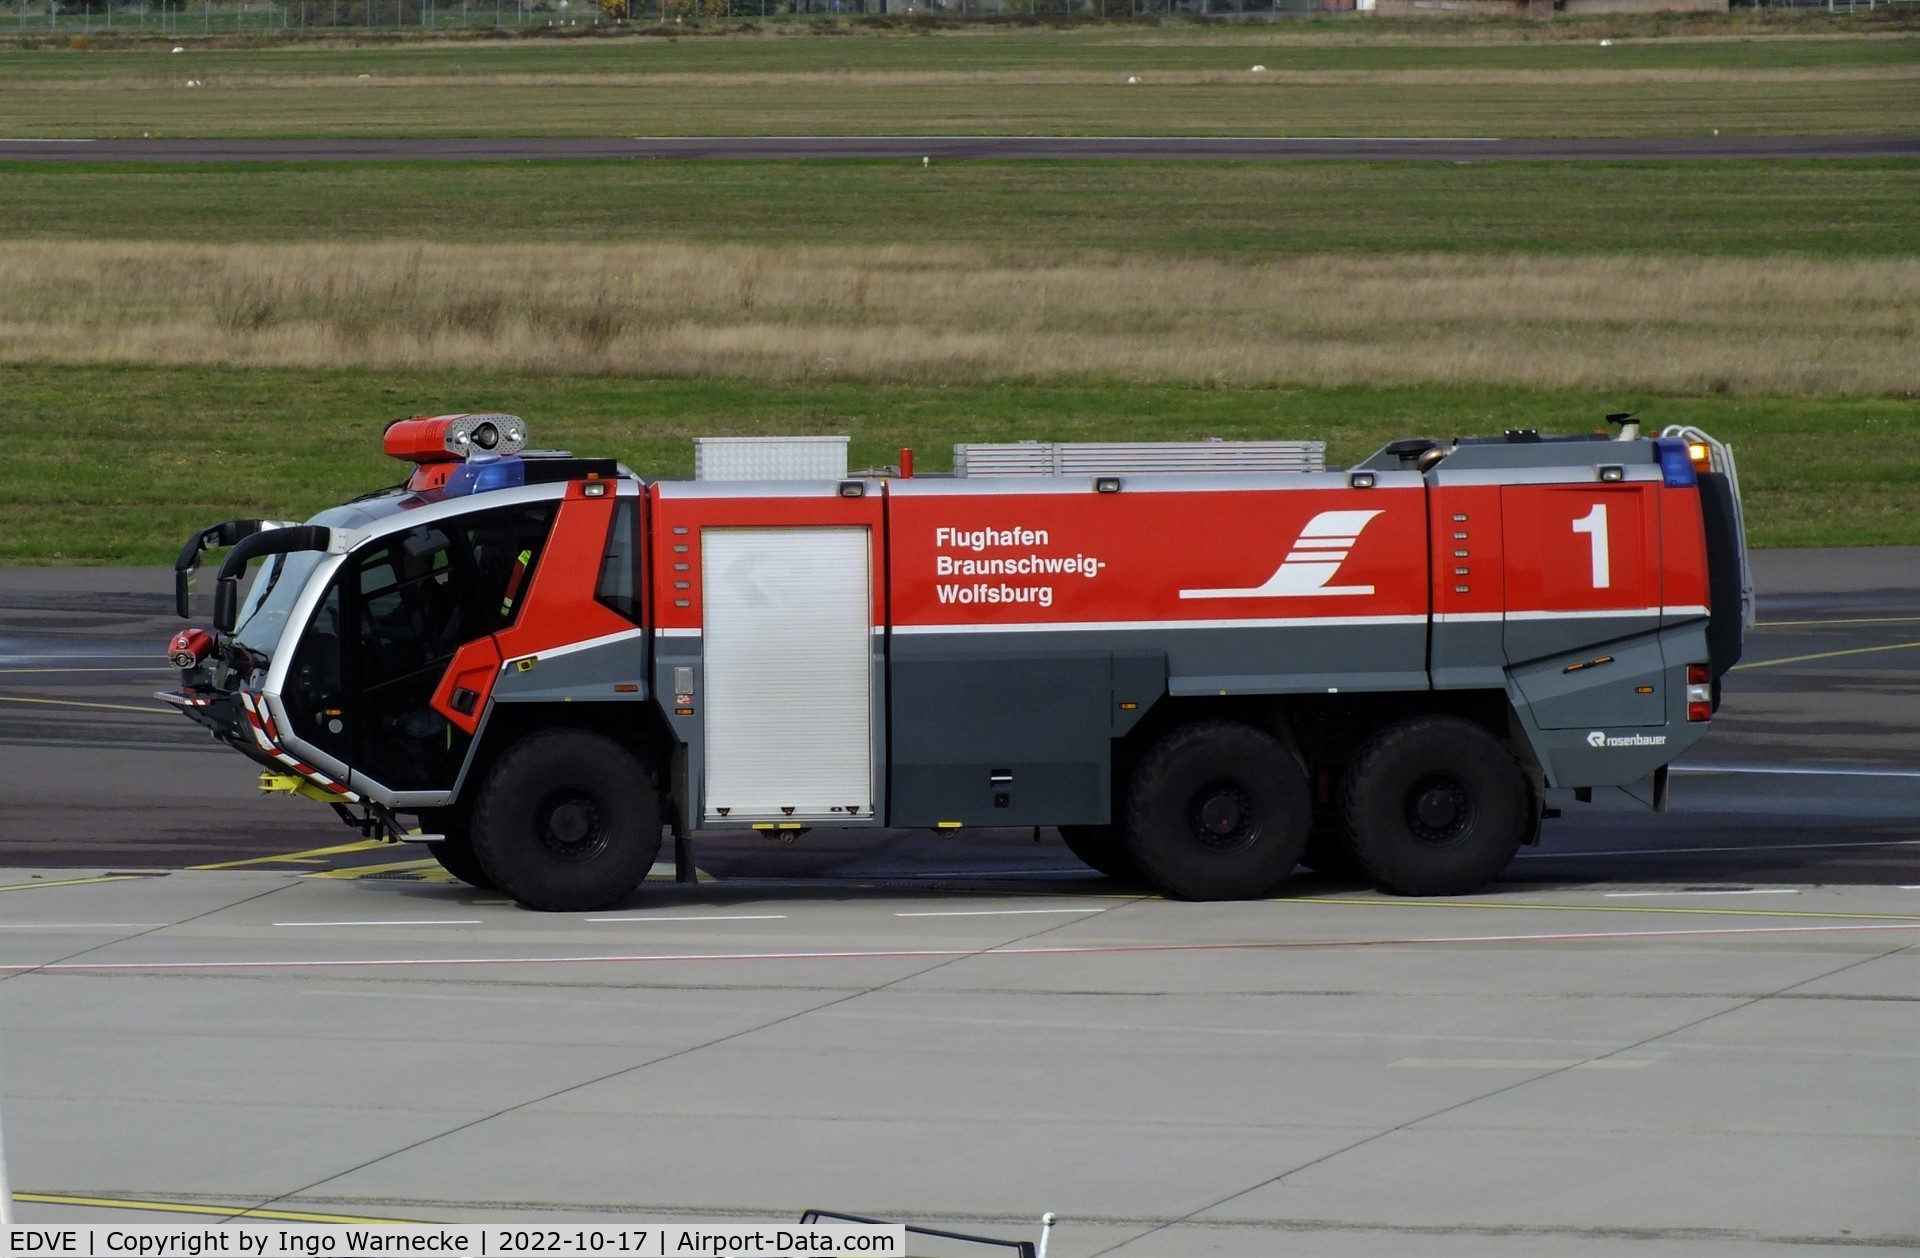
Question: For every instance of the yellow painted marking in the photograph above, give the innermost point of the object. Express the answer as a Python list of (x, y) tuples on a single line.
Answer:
[(288, 858), (118, 668), (71, 882), (361, 871), (178, 1207), (76, 703), (1403, 902), (1863, 620), (1826, 655)]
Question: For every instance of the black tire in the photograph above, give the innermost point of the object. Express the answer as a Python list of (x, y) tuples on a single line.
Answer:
[(1329, 851), (1435, 805), (1103, 849), (1217, 810), (566, 821), (456, 855), (455, 852)]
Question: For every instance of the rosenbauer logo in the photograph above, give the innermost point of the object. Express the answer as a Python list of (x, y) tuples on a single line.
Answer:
[(1312, 562), (1600, 738)]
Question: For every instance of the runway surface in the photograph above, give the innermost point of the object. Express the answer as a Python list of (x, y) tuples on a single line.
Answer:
[(1811, 773), (1689, 1034), (976, 148)]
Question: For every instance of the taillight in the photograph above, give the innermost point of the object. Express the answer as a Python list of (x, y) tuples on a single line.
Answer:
[(1699, 692), (189, 647)]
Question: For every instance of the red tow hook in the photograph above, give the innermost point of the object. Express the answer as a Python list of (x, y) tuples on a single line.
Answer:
[(188, 647)]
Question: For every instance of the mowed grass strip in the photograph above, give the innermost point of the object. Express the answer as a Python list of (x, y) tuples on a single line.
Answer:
[(1781, 326), (118, 465), (1213, 209), (906, 104), (1750, 41)]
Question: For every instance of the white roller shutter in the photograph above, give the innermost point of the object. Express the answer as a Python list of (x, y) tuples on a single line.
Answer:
[(787, 643)]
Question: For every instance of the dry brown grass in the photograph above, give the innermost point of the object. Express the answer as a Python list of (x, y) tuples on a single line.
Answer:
[(1783, 326), (1465, 76)]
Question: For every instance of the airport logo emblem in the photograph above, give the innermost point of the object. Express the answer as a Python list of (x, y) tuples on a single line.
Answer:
[(1312, 563)]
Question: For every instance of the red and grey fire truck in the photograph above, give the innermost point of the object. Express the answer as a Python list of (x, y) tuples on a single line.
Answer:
[(1203, 663)]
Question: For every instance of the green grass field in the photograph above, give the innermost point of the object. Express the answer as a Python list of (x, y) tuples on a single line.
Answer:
[(1583, 286), (119, 465), (1341, 80), (1836, 209)]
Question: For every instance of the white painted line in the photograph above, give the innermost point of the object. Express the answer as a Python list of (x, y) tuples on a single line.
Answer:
[(914, 954), (995, 912), (1695, 851), (1516, 1063), (702, 917), (1789, 770), (1641, 895), (83, 925), (439, 921)]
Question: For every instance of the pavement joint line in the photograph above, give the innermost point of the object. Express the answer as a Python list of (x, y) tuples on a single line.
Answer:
[(83, 925), (1825, 655), (72, 882), (450, 921), (701, 917), (1592, 908), (997, 912), (352, 872), (1701, 851), (649, 1062), (1455, 1107), (883, 954), (362, 845), (1791, 770), (1640, 895), (119, 668), (1860, 620), (77, 703), (181, 1207)]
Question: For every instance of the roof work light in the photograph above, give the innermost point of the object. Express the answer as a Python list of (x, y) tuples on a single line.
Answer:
[(454, 438)]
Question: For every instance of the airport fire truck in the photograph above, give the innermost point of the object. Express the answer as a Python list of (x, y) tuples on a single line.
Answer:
[(1204, 663)]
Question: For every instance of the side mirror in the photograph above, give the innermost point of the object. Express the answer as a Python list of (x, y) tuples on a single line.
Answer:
[(226, 591)]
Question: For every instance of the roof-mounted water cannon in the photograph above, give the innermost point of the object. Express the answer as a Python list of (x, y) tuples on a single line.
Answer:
[(436, 443)]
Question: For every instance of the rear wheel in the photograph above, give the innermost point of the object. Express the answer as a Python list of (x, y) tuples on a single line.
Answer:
[(566, 821), (1217, 811), (1102, 848), (1435, 806)]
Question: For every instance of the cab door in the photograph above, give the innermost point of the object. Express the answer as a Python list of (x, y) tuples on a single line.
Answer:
[(1582, 617)]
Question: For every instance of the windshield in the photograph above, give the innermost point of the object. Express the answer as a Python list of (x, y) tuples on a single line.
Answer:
[(264, 614)]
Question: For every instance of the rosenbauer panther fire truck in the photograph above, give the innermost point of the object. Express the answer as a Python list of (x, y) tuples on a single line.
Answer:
[(1204, 663)]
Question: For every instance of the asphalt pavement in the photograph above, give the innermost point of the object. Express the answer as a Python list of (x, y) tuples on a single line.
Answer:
[(1689, 1034)]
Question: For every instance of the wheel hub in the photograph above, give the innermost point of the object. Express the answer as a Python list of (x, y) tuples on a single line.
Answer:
[(570, 825), (1221, 816), (1439, 809)]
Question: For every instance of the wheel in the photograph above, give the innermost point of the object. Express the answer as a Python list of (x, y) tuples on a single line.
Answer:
[(1329, 851), (455, 852), (566, 821), (1102, 848), (1435, 806), (1217, 811)]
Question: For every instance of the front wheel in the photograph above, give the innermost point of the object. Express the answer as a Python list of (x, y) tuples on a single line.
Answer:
[(1217, 811), (566, 821), (1435, 806), (455, 851)]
